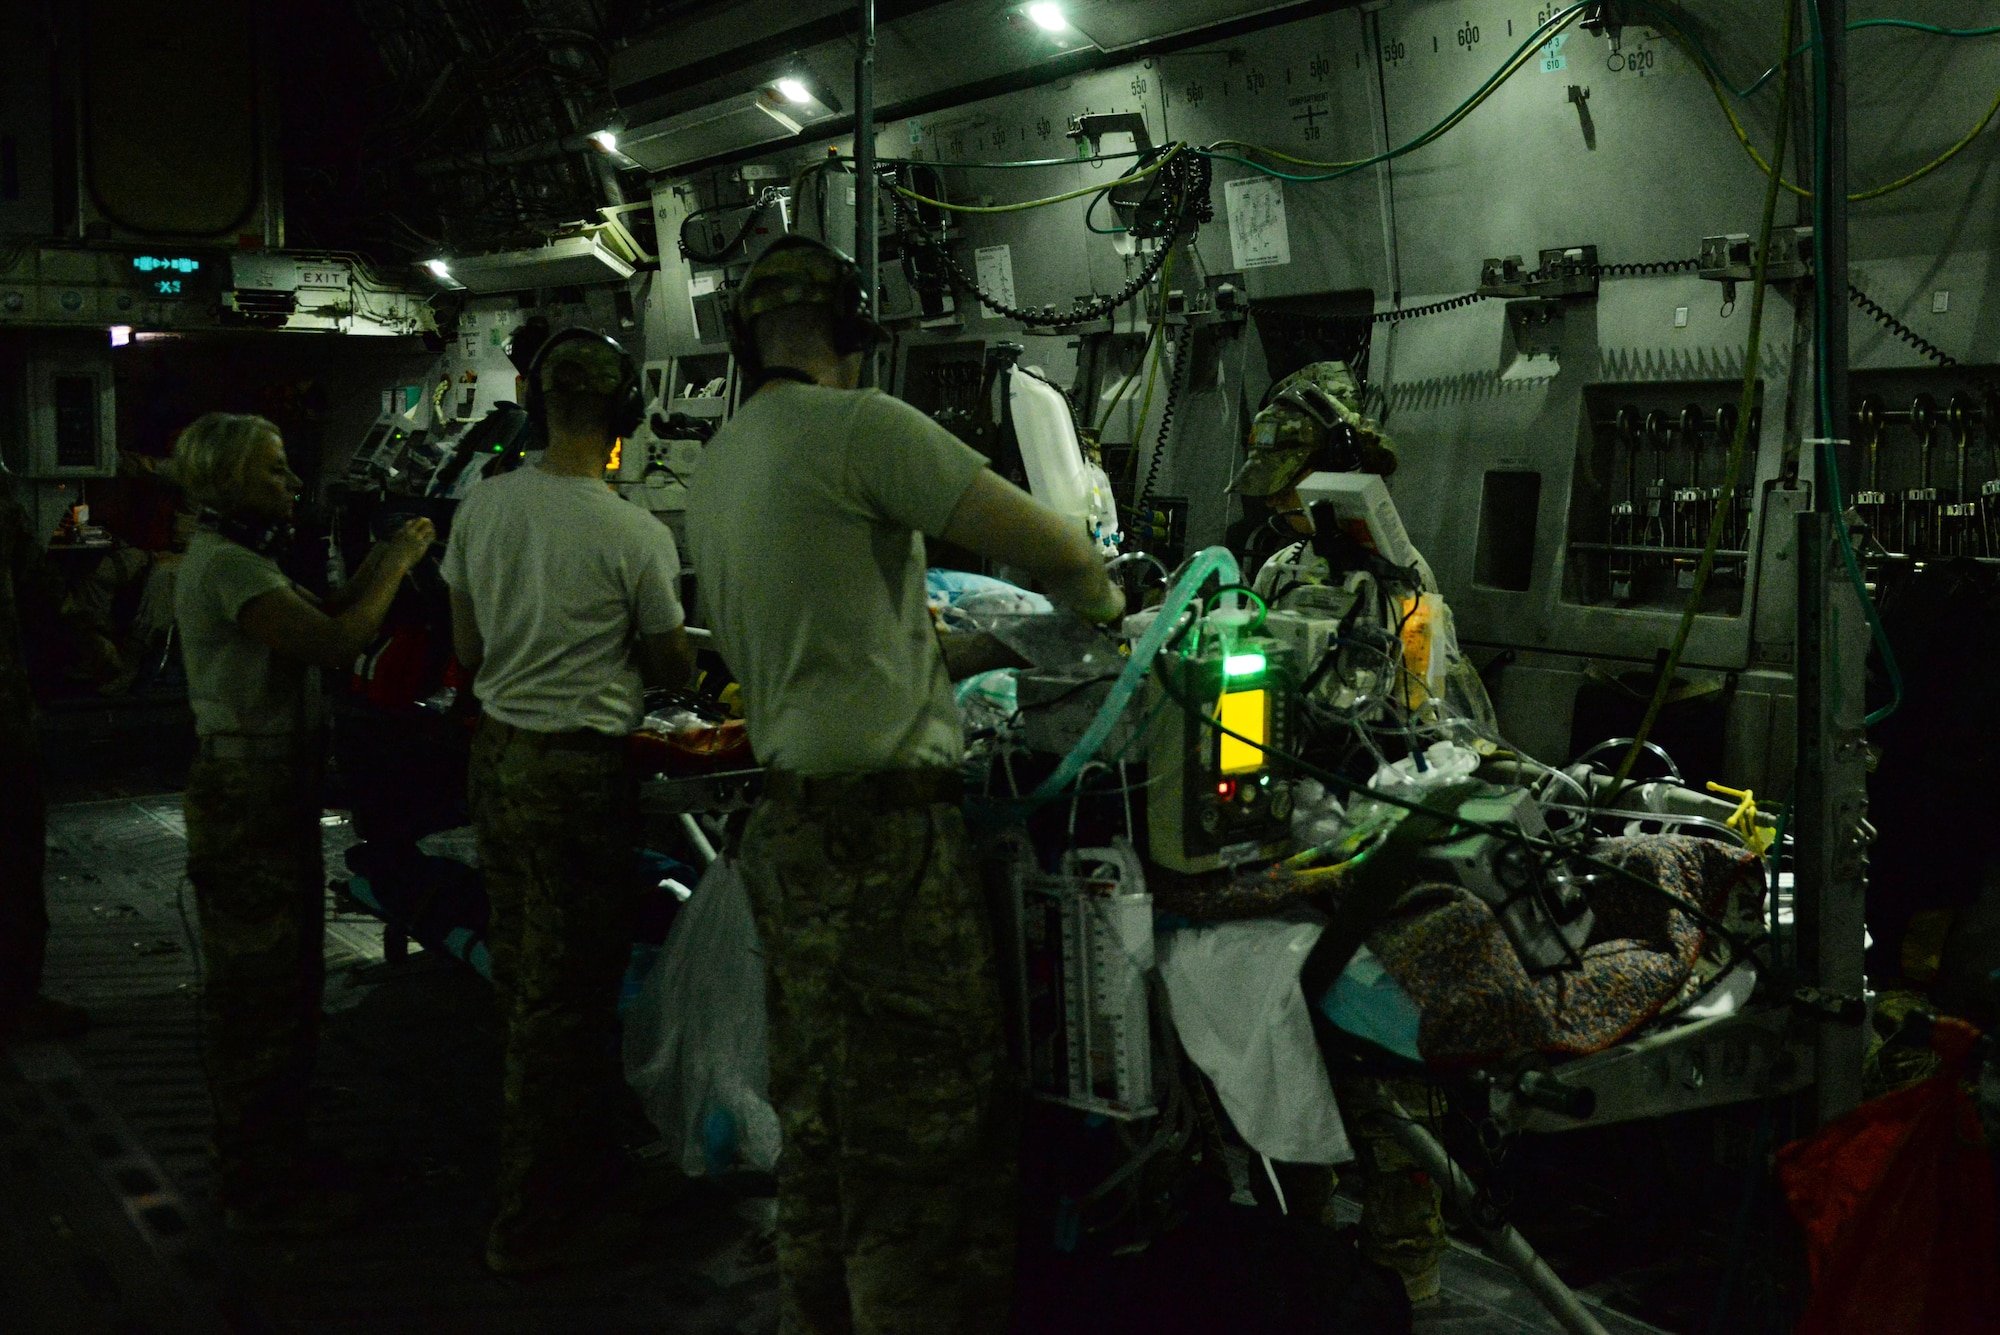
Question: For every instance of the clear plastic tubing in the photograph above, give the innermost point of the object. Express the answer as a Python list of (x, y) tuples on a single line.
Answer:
[(1209, 561)]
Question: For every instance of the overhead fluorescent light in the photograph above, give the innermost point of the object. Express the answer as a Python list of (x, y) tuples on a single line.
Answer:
[(606, 141), (1047, 16), (121, 334), (567, 261), (441, 270), (795, 103)]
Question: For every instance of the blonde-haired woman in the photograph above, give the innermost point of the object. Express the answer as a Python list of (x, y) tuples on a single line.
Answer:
[(253, 643)]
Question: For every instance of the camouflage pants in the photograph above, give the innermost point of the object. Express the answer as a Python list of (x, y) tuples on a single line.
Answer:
[(254, 856), (1402, 1217), (555, 829), (24, 915), (897, 1183)]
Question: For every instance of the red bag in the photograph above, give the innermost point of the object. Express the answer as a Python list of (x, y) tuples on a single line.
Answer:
[(392, 676), (1898, 1206)]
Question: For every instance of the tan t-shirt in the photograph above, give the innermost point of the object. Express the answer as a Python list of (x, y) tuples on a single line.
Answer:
[(564, 578), (805, 527), (235, 683)]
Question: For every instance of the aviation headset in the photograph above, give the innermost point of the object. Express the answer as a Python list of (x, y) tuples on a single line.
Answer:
[(1335, 433), (267, 538), (1314, 402), (797, 270), (628, 406)]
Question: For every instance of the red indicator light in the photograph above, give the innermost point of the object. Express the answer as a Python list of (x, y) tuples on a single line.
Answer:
[(1226, 789)]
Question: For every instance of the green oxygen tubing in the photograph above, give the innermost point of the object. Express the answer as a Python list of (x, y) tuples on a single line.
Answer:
[(1209, 561)]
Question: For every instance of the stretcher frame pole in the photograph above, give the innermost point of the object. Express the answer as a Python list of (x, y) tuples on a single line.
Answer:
[(1503, 1239)]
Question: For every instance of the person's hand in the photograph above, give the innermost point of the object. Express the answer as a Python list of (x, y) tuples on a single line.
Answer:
[(1110, 610), (409, 543), (102, 659)]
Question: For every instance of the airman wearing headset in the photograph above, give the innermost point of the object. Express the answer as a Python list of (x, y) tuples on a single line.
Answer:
[(565, 605), (254, 643), (896, 1185)]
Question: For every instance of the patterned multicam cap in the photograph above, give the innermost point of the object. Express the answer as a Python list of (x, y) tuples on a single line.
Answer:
[(1311, 408), (796, 271), (584, 366)]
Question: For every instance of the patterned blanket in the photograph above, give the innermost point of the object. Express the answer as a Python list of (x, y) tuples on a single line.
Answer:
[(1478, 1003)]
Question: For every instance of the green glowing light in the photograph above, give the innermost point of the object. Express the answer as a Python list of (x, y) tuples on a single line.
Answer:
[(175, 263), (1242, 665)]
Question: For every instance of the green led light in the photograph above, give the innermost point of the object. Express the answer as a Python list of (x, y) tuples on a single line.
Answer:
[(175, 263), (1242, 665)]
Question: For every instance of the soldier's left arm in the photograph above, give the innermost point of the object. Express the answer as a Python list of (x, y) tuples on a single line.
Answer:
[(342, 598)]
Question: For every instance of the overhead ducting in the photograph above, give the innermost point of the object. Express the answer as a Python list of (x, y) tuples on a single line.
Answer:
[(1117, 25), (708, 87), (566, 261)]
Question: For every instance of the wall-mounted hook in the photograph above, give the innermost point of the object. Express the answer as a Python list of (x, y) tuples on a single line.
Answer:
[(1579, 98)]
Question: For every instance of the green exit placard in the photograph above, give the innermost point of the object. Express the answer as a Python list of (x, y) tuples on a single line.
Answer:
[(170, 275)]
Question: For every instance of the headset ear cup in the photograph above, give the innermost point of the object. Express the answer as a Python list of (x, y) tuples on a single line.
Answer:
[(631, 411), (742, 346), (852, 331)]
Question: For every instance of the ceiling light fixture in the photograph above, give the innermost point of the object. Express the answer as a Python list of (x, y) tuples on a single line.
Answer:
[(1047, 16), (438, 268), (606, 140), (794, 91)]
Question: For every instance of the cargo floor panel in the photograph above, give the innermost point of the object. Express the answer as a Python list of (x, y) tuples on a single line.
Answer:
[(407, 1087), (106, 1222)]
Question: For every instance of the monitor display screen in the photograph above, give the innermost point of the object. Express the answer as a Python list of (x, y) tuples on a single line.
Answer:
[(1248, 713)]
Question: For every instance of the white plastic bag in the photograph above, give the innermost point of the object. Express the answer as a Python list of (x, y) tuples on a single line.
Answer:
[(1233, 989), (697, 1042)]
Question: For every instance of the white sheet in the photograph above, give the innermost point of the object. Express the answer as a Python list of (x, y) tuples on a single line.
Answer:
[(1234, 992)]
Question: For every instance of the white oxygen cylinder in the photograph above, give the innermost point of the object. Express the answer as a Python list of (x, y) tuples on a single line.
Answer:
[(1058, 475)]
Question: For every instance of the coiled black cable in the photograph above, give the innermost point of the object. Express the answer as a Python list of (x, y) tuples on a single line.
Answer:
[(1631, 270), (756, 207), (1642, 268), (1183, 369), (1435, 308), (1090, 308), (1880, 314), (1185, 178)]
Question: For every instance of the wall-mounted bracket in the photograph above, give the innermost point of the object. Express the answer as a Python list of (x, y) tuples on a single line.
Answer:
[(1091, 130), (1566, 271), (1732, 258), (1579, 97)]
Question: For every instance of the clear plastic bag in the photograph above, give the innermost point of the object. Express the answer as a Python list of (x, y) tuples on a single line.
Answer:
[(697, 1041)]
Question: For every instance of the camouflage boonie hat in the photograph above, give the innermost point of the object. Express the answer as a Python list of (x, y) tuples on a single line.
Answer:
[(584, 366), (1306, 409)]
